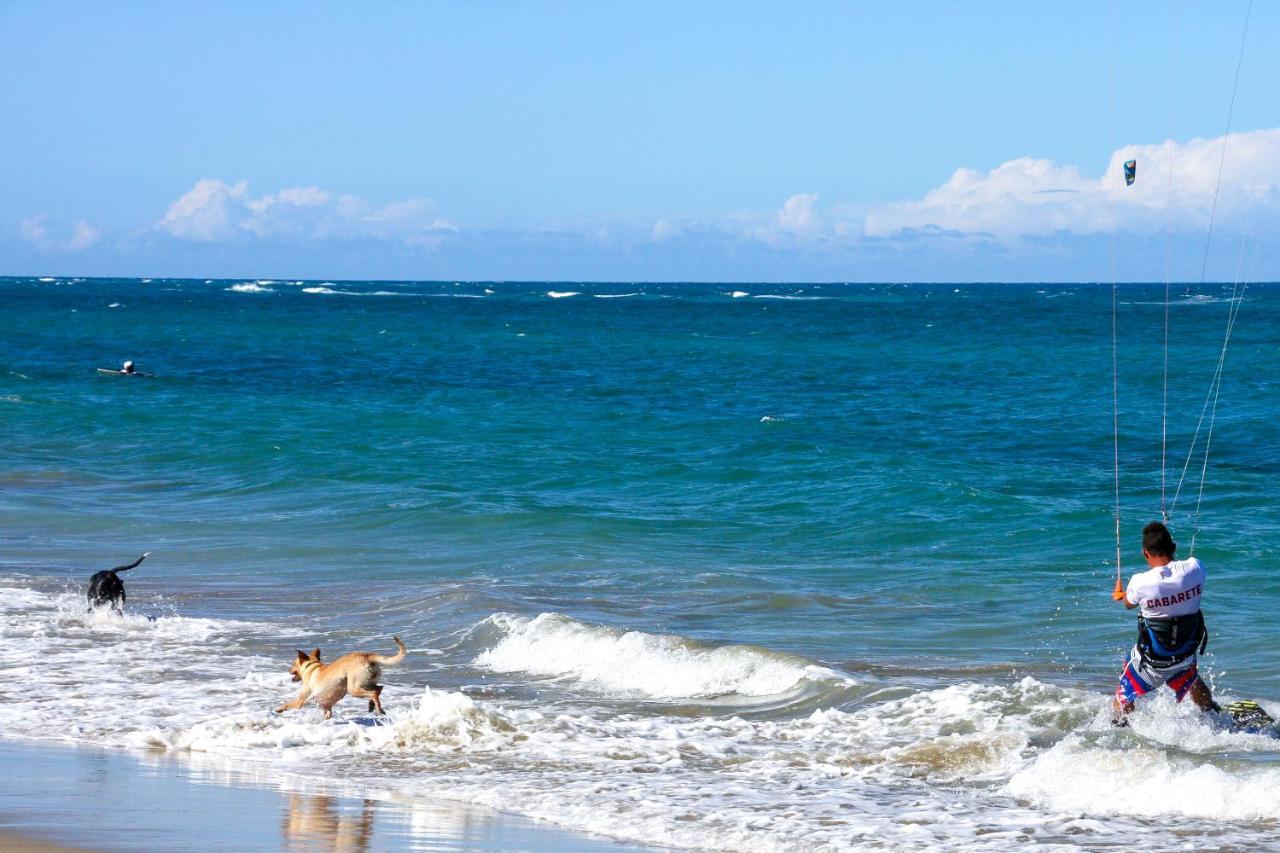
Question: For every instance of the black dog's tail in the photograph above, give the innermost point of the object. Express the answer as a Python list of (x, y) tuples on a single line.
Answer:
[(132, 565)]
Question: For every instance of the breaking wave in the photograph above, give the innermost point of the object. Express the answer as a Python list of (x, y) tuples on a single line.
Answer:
[(649, 666), (1007, 761)]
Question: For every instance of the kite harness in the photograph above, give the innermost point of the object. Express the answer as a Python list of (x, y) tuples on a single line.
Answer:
[(1165, 642)]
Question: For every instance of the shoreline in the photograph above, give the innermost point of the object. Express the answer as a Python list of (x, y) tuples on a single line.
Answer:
[(62, 798)]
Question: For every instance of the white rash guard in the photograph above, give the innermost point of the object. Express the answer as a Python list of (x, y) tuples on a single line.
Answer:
[(1168, 591)]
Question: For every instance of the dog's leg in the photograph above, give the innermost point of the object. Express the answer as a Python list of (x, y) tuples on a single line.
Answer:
[(373, 694), (303, 695)]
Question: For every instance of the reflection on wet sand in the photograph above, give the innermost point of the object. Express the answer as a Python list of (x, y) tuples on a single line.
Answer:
[(318, 822), (167, 800)]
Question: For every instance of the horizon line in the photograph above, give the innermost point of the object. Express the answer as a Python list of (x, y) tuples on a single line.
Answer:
[(634, 282)]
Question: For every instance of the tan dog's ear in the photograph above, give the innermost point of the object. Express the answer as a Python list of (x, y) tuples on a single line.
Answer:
[(316, 654), (301, 654)]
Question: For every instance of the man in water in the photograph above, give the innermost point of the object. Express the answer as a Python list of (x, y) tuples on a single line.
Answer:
[(1170, 627), (127, 367)]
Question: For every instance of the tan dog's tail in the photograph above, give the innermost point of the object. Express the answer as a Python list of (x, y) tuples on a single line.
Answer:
[(396, 658)]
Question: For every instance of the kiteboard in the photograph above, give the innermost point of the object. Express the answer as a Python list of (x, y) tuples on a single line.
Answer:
[(1249, 717)]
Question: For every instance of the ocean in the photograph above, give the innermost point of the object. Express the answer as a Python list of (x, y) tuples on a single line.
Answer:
[(724, 566)]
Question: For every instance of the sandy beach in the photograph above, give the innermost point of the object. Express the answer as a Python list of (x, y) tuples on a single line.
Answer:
[(96, 799)]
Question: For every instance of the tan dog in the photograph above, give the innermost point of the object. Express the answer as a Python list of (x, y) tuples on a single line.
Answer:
[(356, 673)]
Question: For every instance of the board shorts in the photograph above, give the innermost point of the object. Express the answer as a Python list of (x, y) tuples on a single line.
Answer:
[(1138, 678)]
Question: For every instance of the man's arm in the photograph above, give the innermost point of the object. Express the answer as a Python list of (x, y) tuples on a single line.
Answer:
[(1123, 596)]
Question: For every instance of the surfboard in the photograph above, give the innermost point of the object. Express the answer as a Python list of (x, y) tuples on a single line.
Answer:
[(109, 372)]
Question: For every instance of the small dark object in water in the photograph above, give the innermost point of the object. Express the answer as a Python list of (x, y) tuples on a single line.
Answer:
[(107, 590)]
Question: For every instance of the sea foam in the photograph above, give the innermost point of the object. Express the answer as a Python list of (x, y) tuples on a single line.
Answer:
[(1077, 777), (1006, 763), (638, 664)]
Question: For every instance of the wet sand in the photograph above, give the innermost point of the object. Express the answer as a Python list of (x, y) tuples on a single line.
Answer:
[(11, 843), (60, 798)]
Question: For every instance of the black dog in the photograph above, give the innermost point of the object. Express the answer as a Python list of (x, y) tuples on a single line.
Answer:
[(105, 589)]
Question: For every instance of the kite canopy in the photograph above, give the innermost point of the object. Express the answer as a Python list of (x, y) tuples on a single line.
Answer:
[(1130, 172)]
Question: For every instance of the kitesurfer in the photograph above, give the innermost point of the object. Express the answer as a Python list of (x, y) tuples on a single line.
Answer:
[(1171, 628)]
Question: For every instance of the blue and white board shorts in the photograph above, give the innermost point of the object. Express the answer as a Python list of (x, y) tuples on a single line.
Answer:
[(1138, 678)]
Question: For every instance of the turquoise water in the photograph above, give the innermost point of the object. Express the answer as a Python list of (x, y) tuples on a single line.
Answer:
[(907, 485)]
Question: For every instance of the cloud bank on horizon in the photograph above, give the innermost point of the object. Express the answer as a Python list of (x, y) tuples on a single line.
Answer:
[(215, 211), (1175, 188), (1022, 206)]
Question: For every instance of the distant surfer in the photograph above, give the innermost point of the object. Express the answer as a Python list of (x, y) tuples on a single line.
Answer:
[(1171, 628), (126, 369)]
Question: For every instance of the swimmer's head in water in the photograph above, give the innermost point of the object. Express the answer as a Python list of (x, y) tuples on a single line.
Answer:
[(128, 365)]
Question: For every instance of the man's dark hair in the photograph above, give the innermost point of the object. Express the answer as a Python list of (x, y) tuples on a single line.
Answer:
[(1156, 540)]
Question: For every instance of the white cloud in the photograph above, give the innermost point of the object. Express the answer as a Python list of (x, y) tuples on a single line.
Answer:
[(34, 230), (1026, 196), (664, 230), (214, 210), (799, 215), (294, 211), (83, 235), (797, 222), (211, 210)]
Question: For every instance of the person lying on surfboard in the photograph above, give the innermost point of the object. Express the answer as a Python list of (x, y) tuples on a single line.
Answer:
[(126, 369), (1171, 631)]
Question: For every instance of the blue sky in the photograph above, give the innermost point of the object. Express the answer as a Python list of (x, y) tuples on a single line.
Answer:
[(642, 141)]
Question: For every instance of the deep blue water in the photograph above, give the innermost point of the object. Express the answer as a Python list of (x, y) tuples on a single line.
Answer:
[(885, 474)]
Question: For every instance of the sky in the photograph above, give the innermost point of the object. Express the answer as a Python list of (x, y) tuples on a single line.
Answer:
[(655, 141)]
